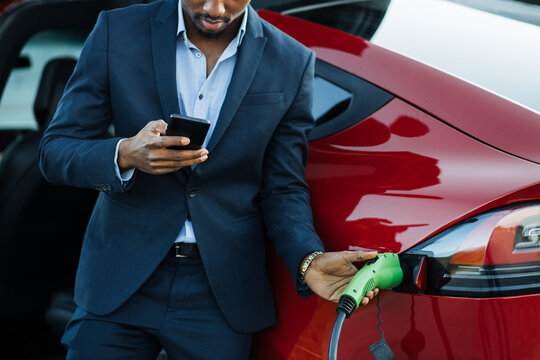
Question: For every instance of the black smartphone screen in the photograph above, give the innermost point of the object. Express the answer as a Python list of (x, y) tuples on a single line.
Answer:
[(190, 127)]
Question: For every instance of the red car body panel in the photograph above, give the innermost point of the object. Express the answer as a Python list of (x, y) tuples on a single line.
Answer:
[(416, 84), (416, 166), (368, 192), (415, 327)]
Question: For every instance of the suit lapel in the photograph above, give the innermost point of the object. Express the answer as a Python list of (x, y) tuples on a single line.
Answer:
[(164, 28), (248, 58)]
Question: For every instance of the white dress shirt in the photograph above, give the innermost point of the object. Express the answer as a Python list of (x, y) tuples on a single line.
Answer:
[(198, 95)]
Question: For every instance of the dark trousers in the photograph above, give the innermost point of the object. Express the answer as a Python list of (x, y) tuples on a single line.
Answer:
[(174, 309)]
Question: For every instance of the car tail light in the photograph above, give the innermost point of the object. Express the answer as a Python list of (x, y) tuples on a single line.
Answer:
[(492, 254)]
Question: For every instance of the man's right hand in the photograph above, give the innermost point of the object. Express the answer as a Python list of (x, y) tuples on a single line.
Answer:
[(147, 151)]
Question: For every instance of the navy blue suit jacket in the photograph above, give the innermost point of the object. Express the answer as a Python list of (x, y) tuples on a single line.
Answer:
[(252, 185)]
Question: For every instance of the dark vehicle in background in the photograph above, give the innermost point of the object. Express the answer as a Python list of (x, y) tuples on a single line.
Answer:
[(41, 225), (403, 158)]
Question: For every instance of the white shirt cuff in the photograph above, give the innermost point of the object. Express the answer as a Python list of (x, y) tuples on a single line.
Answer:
[(126, 175)]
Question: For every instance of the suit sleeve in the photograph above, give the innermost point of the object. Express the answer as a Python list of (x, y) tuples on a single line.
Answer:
[(75, 149), (284, 197)]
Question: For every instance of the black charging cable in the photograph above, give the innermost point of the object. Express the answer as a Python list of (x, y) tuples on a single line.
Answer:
[(345, 308), (380, 350)]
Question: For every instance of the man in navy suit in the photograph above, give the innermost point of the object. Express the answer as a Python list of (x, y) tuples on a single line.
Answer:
[(174, 253)]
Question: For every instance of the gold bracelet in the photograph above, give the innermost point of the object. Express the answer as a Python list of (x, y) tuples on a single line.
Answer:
[(306, 264)]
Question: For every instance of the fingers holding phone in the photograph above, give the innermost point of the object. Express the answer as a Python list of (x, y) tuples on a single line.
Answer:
[(153, 153), (173, 160)]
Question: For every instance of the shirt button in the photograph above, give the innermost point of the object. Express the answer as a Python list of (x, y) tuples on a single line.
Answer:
[(201, 96), (198, 54), (192, 192)]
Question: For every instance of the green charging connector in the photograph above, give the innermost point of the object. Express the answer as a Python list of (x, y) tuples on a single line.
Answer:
[(383, 272)]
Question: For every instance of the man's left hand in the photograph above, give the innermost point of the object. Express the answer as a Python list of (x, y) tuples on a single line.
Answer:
[(329, 274)]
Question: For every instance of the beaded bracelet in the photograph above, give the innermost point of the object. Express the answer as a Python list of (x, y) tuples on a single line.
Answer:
[(306, 264)]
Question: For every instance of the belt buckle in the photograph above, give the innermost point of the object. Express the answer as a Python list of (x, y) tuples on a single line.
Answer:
[(176, 254)]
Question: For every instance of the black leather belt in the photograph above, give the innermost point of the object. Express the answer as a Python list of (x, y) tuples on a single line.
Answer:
[(182, 250)]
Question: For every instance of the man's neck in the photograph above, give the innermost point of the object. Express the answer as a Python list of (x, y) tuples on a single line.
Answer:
[(212, 48)]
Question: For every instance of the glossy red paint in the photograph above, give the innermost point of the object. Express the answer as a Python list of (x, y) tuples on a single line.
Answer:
[(378, 189), (415, 326), (417, 84), (410, 170), (386, 186)]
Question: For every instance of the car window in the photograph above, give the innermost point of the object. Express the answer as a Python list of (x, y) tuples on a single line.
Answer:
[(342, 99), (16, 104), (329, 100)]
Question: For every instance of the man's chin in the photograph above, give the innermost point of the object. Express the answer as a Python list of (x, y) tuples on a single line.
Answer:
[(209, 34)]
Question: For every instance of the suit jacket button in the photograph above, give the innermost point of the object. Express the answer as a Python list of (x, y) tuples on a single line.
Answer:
[(192, 192)]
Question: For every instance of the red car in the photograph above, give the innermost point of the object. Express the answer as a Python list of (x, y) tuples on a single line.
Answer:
[(403, 159), (410, 160)]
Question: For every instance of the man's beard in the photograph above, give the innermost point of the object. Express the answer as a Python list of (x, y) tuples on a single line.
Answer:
[(198, 18)]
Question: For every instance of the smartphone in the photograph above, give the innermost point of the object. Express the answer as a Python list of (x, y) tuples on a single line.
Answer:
[(190, 127)]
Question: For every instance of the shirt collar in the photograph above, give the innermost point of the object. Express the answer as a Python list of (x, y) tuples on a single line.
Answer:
[(182, 26)]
